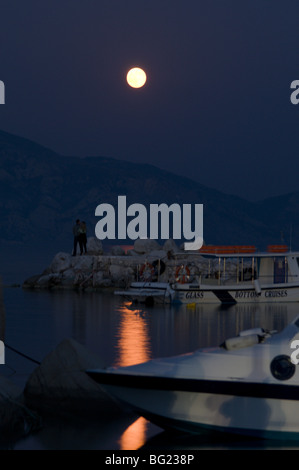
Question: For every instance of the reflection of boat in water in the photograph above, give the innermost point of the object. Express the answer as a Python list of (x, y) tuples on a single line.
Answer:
[(146, 292), (227, 275), (248, 385)]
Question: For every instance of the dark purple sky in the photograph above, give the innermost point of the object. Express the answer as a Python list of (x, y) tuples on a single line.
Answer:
[(216, 106)]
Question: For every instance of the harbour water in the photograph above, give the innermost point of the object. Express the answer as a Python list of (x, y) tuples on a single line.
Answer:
[(122, 334)]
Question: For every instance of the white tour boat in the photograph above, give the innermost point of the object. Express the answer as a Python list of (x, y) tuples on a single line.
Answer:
[(228, 275), (249, 385)]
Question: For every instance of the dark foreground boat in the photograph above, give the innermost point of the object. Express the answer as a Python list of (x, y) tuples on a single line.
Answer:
[(249, 385)]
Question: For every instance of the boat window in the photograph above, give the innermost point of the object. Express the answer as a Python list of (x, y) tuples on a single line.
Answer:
[(297, 261), (280, 270), (282, 367)]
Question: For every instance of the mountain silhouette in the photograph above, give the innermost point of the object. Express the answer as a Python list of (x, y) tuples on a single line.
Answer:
[(43, 193)]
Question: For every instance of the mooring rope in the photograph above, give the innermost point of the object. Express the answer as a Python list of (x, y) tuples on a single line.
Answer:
[(22, 354)]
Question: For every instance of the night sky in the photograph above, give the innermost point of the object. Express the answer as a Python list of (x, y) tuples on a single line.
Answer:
[(216, 106)]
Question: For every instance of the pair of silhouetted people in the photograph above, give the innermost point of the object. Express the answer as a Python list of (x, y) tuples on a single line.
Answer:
[(80, 237)]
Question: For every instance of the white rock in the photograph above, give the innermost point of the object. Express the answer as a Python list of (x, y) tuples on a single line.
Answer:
[(171, 246), (105, 283), (49, 280), (133, 253), (97, 279), (94, 246), (116, 271), (68, 275), (117, 251), (82, 263), (119, 273), (157, 254), (146, 245), (121, 276), (61, 262)]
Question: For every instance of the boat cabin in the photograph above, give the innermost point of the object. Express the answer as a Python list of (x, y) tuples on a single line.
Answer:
[(275, 266)]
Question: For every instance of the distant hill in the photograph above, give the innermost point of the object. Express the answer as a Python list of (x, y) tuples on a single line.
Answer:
[(42, 193)]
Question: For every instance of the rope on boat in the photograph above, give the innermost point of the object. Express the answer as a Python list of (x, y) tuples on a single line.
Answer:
[(22, 354)]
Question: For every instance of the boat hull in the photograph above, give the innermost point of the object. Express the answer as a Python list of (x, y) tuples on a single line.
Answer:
[(247, 385), (186, 294), (146, 292), (269, 412), (232, 295)]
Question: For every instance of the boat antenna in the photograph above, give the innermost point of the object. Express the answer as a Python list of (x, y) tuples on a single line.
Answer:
[(291, 228)]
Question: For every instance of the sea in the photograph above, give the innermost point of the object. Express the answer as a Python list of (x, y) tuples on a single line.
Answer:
[(121, 334)]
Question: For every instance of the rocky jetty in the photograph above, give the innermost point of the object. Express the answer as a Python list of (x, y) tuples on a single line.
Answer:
[(118, 268), (97, 270)]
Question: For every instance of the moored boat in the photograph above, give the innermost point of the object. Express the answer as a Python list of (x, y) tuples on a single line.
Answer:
[(248, 385), (229, 275)]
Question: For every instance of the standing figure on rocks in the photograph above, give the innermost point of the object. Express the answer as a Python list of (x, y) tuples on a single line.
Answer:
[(83, 238), (76, 233)]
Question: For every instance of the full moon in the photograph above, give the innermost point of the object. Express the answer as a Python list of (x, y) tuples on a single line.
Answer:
[(136, 77)]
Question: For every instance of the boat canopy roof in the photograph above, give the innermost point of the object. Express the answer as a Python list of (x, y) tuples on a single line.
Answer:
[(244, 251)]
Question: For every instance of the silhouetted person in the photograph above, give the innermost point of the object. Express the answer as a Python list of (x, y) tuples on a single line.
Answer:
[(76, 233), (83, 237)]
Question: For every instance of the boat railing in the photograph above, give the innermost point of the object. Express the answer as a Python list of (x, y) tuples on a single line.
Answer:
[(229, 280), (220, 270)]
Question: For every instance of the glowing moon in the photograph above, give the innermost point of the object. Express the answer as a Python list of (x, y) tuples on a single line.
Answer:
[(136, 77)]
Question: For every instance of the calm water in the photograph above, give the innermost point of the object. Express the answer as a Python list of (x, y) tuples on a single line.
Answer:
[(121, 334)]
